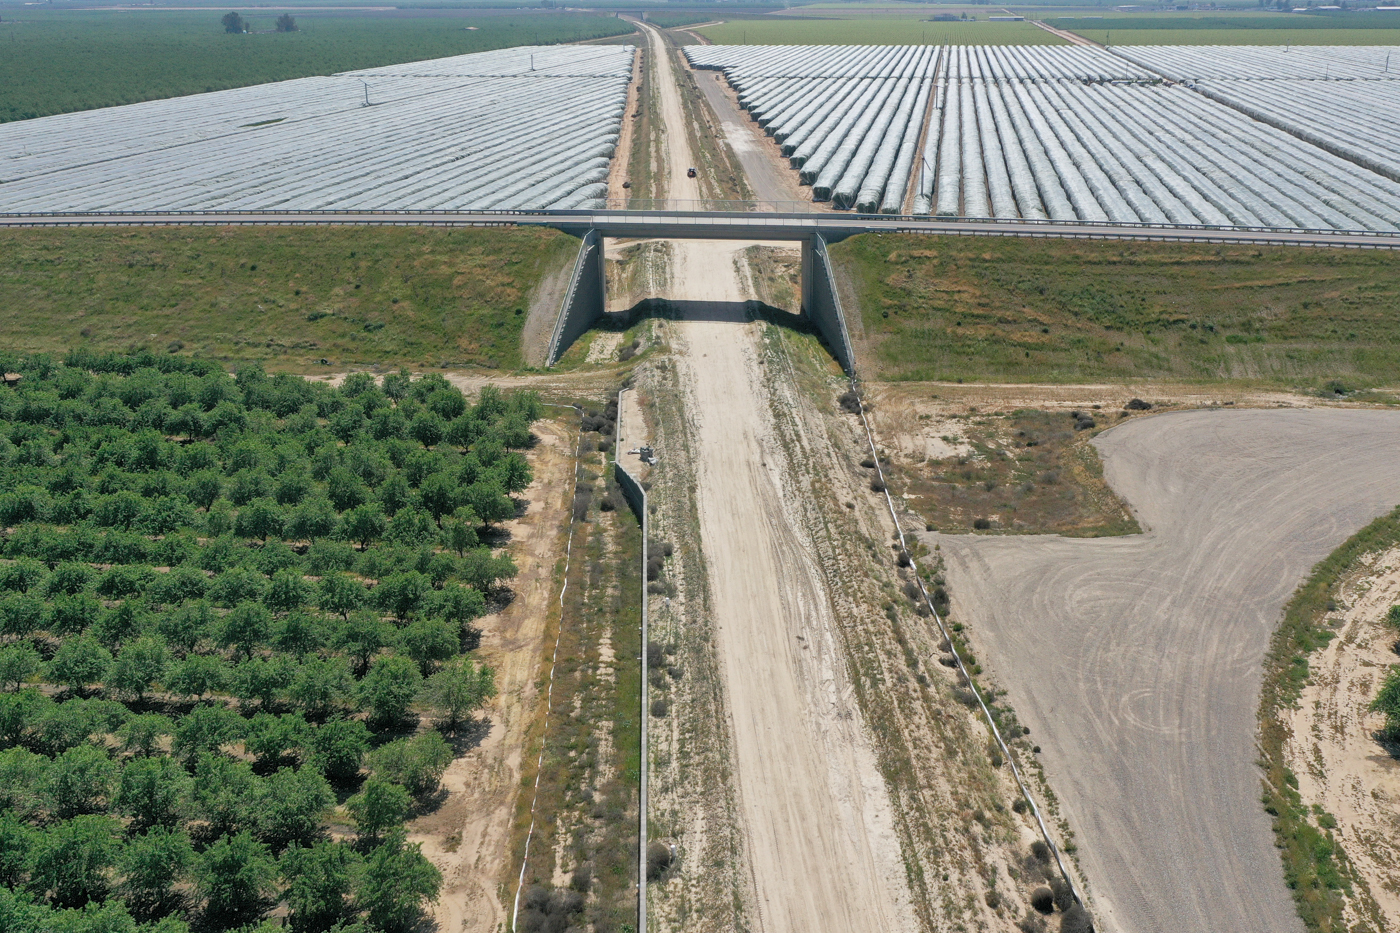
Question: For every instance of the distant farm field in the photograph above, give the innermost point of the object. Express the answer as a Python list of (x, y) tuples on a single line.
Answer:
[(80, 60), (948, 308), (881, 31), (290, 297)]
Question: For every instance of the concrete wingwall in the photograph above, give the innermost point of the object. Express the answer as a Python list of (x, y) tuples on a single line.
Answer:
[(821, 302), (584, 300)]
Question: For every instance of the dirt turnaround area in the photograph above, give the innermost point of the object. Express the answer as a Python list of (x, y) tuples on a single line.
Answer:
[(1136, 661)]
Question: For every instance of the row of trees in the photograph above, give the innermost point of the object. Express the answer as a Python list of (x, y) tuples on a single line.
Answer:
[(235, 23), (225, 603)]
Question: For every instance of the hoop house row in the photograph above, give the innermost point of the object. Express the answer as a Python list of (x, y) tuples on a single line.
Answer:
[(1266, 62), (852, 138), (470, 132)]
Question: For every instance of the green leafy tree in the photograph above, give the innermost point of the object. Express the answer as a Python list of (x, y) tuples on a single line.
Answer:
[(72, 862), (247, 627), (1387, 701), (224, 793), (299, 633), (18, 663), (233, 23), (204, 489), (79, 781), (379, 805), (458, 604), (390, 688), (459, 689), (154, 792), (289, 806), (341, 595), (311, 519), (429, 641), (271, 739), (361, 637), (140, 666), (264, 680), (21, 777), (141, 735), (320, 684), (418, 763), (513, 473), (205, 729), (402, 593), (364, 524), (344, 489), (338, 749), (68, 579), (427, 429), (197, 676), (398, 883), (79, 663), (153, 866), (287, 592), (439, 496), (16, 843), (260, 518), (183, 628), (319, 882), (394, 494), (489, 501), (459, 531), (237, 878)]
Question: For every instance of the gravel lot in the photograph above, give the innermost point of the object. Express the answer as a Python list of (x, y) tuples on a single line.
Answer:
[(1136, 661)]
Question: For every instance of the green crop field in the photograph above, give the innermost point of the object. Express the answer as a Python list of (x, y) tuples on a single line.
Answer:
[(237, 622), (1010, 310), (881, 31), (57, 62), (353, 296)]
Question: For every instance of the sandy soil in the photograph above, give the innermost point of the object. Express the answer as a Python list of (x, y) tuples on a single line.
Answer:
[(468, 837), (1334, 752), (621, 168), (1136, 661), (817, 817)]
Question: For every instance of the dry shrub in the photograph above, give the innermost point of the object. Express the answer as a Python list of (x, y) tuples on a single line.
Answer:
[(659, 859), (849, 402), (1043, 900), (1076, 920)]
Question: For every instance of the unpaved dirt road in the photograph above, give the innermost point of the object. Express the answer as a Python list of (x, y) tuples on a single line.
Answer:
[(1136, 661), (671, 120), (816, 814)]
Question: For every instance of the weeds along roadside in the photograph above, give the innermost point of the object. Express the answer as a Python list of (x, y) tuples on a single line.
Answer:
[(578, 822), (944, 774), (1315, 866)]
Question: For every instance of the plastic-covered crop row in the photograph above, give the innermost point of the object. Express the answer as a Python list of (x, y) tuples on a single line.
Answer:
[(1139, 152), (849, 118), (436, 135), (1265, 62)]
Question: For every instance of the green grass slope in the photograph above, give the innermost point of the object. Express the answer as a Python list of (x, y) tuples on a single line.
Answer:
[(289, 296), (945, 308)]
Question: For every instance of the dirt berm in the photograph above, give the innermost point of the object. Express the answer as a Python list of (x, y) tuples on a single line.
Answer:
[(1137, 660)]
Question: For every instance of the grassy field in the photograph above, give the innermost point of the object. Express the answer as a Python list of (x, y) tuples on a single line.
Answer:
[(875, 31), (59, 62), (290, 297), (1062, 311)]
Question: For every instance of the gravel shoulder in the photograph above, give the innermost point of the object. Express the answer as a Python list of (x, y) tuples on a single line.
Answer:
[(1137, 661)]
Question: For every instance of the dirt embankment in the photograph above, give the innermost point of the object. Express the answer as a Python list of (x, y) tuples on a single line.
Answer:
[(1340, 764), (468, 837)]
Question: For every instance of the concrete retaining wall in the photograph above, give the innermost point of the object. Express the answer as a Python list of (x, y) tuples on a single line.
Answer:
[(584, 301), (822, 303)]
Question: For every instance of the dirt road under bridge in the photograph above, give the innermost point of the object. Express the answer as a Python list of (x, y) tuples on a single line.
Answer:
[(1137, 660)]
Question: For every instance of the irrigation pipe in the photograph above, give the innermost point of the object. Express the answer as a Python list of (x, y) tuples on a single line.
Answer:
[(553, 661), (962, 669)]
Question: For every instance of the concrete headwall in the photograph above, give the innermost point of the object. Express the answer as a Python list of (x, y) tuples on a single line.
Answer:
[(821, 302), (584, 301)]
